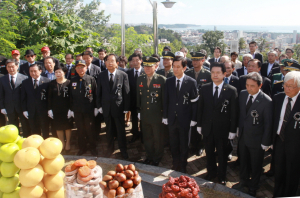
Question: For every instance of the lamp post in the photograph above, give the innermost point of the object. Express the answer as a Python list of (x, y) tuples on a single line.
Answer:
[(123, 27), (167, 4)]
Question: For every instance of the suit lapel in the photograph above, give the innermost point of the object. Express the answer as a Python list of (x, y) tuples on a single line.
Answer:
[(116, 80), (7, 81), (183, 85), (295, 108), (223, 90)]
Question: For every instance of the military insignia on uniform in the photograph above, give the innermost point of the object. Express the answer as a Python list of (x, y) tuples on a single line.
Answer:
[(156, 85), (74, 84), (255, 115), (141, 85), (225, 104), (74, 87), (87, 91), (297, 119), (147, 58), (72, 74), (194, 53), (289, 63), (202, 80), (166, 52)]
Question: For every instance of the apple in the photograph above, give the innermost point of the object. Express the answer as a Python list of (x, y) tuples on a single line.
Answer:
[(20, 142), (43, 196), (51, 148), (32, 192), (9, 169), (31, 177), (41, 160), (1, 194), (54, 182), (8, 152), (14, 194), (56, 194), (27, 158), (8, 133), (9, 184), (33, 141), (53, 166)]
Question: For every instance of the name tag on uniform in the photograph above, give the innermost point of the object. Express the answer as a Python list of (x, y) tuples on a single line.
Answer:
[(202, 80), (74, 84), (156, 85)]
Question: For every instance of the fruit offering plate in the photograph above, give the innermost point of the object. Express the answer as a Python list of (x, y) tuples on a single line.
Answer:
[(137, 193)]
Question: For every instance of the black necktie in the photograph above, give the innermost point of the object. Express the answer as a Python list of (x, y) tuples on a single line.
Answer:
[(216, 95), (68, 71), (35, 85), (178, 87), (87, 72), (249, 103), (111, 82), (12, 82), (287, 113), (136, 75)]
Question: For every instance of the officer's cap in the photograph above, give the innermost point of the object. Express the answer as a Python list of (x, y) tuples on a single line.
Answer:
[(149, 61), (290, 65), (197, 55), (80, 62), (168, 55)]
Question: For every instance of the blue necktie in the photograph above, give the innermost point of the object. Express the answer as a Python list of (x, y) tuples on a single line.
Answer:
[(226, 81)]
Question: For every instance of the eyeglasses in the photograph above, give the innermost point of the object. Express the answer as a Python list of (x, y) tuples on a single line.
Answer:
[(289, 87), (28, 56)]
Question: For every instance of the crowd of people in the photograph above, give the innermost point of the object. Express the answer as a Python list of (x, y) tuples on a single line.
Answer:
[(191, 104)]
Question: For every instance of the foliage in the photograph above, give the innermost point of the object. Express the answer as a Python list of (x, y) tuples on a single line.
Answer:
[(262, 44), (242, 44), (212, 39)]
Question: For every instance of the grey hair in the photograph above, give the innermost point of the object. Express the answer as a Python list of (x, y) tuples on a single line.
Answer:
[(248, 55), (293, 75), (11, 61), (273, 52), (255, 76), (138, 49), (185, 49)]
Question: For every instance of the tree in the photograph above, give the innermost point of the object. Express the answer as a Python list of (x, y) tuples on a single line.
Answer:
[(212, 39), (262, 44), (242, 44), (297, 50)]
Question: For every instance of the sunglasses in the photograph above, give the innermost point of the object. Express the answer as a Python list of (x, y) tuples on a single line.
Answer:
[(28, 56)]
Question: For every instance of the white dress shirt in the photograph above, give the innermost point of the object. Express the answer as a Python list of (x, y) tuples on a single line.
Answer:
[(38, 80), (285, 101), (14, 79), (245, 71), (139, 71), (237, 64), (254, 96), (253, 55), (89, 67), (180, 83), (114, 74), (270, 66), (219, 88), (217, 59)]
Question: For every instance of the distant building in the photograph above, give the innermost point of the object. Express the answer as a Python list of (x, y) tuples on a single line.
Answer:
[(215, 28), (240, 34), (234, 47), (294, 36)]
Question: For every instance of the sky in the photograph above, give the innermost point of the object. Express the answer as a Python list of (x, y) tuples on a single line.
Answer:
[(207, 12)]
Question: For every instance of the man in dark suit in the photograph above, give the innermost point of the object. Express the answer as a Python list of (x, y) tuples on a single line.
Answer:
[(133, 74), (46, 52), (217, 55), (92, 69), (255, 132), (243, 71), (180, 112), (10, 94), (30, 57), (49, 64), (2, 116), (3, 69), (269, 67), (229, 77), (15, 54), (113, 101), (34, 101), (91, 50), (167, 63), (286, 137), (71, 68), (254, 65), (185, 51), (217, 120), (255, 55), (100, 62)]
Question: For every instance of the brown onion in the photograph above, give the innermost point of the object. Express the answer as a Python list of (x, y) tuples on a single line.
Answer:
[(120, 191), (120, 177), (129, 190), (113, 184), (129, 174), (107, 178), (127, 184), (119, 168), (111, 193), (131, 167), (137, 180)]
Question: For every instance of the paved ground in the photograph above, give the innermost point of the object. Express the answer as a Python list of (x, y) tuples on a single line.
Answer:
[(196, 164)]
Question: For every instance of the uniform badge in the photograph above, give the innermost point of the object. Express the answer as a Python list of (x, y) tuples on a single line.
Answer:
[(141, 85), (156, 85), (147, 58), (74, 84), (72, 74), (166, 52), (202, 80), (194, 54), (74, 87)]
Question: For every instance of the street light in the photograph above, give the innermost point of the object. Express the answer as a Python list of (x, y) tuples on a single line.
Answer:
[(167, 4), (123, 27)]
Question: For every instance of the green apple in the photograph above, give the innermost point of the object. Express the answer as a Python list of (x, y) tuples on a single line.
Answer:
[(8, 133), (14, 194), (8, 152), (20, 142), (1, 194), (9, 169), (9, 184)]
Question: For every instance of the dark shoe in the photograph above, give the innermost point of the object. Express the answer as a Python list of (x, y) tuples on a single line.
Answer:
[(81, 152), (209, 177), (125, 155), (134, 138), (147, 161), (252, 192), (239, 186), (200, 152), (94, 152), (270, 173), (155, 163)]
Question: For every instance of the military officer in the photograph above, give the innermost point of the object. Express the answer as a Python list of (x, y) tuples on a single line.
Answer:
[(150, 92), (168, 58), (202, 76), (83, 107)]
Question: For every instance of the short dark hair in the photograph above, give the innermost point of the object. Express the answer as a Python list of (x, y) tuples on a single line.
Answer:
[(182, 59), (276, 48), (89, 48), (71, 56), (62, 67), (115, 55), (257, 62), (87, 53), (289, 49), (11, 61), (77, 55), (234, 53), (49, 57), (218, 64), (36, 65), (255, 76), (137, 55), (130, 58), (156, 56), (218, 49), (123, 58), (102, 50), (253, 42)]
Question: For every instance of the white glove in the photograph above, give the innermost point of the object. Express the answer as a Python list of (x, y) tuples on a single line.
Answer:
[(100, 110), (271, 146), (264, 147), (139, 116), (3, 111), (125, 111), (199, 130), (237, 132), (25, 113), (231, 136), (165, 121), (193, 123), (70, 114), (50, 114), (96, 112)]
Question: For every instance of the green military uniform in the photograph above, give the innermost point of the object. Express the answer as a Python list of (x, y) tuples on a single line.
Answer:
[(276, 78), (150, 108), (163, 72)]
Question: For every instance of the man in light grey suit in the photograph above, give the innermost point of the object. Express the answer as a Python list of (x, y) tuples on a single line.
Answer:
[(255, 132), (10, 96)]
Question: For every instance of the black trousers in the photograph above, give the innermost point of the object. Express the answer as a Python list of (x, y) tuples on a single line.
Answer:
[(211, 143), (196, 139), (287, 170), (39, 123), (2, 120), (85, 127), (115, 125), (135, 123), (179, 144), (250, 158), (13, 118), (98, 120)]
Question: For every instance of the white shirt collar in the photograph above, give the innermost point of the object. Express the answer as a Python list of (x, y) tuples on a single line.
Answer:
[(38, 79), (255, 95), (229, 77), (181, 79), (15, 76), (293, 98), (139, 70), (114, 73), (47, 72), (219, 86)]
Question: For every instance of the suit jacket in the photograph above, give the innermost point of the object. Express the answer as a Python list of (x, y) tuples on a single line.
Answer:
[(162, 72), (274, 71), (241, 71), (234, 81), (132, 85), (173, 104), (212, 60), (72, 73), (24, 68), (10, 99), (217, 118), (97, 62), (31, 99), (94, 71), (258, 56), (264, 69), (260, 133), (266, 87), (41, 62), (116, 100)]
